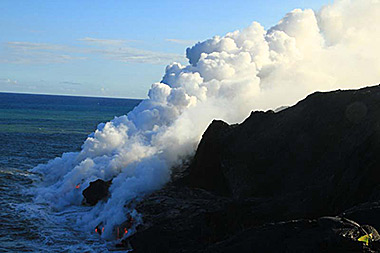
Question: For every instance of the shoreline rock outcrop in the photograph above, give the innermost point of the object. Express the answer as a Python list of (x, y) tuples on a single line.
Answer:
[(304, 179), (96, 191)]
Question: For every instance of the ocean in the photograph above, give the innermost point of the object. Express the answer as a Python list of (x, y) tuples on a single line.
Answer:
[(33, 130)]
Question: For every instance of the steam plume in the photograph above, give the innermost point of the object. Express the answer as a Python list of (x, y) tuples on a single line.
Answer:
[(337, 47)]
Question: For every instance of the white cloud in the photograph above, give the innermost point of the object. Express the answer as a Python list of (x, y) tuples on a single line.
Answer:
[(18, 45), (36, 31), (44, 53), (70, 83), (181, 42), (128, 54), (8, 81), (103, 41), (39, 53)]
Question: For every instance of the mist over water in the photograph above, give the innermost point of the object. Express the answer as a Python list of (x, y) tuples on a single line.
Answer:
[(33, 130), (227, 77)]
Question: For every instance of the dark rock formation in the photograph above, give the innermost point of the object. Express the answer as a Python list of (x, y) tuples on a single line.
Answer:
[(263, 185), (326, 234), (182, 219), (206, 170), (96, 191), (322, 155), (367, 213)]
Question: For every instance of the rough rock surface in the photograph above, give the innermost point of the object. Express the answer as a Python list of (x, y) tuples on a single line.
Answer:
[(267, 184), (96, 191), (322, 154), (326, 234), (366, 213)]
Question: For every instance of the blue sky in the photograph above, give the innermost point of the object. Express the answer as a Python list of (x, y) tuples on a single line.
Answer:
[(114, 48)]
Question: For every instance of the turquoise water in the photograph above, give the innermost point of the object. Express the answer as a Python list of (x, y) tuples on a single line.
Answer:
[(33, 130)]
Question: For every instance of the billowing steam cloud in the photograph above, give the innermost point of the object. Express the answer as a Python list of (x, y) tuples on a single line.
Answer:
[(337, 47)]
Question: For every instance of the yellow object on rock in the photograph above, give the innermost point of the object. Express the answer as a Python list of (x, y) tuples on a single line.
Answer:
[(365, 238)]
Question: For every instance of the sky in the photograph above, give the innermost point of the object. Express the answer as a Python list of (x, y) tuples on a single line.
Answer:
[(114, 48)]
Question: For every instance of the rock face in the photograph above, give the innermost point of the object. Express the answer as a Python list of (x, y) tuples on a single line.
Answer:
[(326, 234), (206, 170), (366, 213), (263, 185), (96, 191), (323, 154)]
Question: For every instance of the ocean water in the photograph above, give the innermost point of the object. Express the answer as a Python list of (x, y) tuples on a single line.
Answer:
[(33, 130)]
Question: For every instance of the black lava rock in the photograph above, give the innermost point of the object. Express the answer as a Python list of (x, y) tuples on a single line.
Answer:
[(96, 191), (304, 179), (321, 155)]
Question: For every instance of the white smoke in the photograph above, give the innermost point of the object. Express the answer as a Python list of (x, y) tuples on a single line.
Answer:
[(337, 47)]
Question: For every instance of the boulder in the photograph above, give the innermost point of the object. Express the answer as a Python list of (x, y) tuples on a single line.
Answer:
[(96, 191), (206, 170)]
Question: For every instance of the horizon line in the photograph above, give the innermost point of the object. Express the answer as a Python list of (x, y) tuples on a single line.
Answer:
[(69, 95)]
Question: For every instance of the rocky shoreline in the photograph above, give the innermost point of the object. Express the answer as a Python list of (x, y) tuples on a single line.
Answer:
[(304, 179)]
